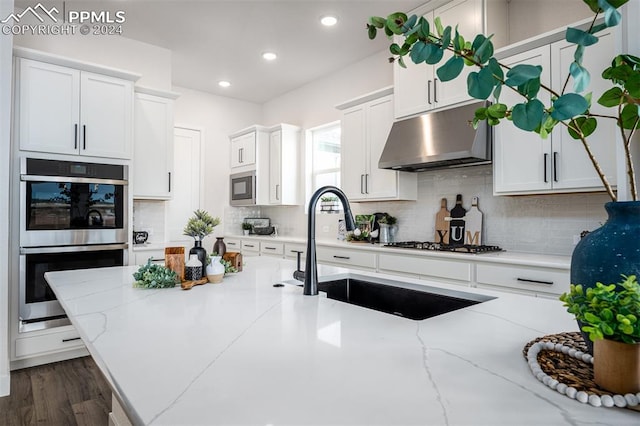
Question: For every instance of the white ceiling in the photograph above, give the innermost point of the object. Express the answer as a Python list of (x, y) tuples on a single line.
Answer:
[(214, 40)]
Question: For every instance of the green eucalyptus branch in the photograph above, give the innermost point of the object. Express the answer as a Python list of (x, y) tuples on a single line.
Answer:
[(572, 109)]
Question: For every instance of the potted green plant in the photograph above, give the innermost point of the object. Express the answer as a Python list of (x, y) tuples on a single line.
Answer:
[(604, 254), (610, 315), (200, 225), (329, 204), (246, 228)]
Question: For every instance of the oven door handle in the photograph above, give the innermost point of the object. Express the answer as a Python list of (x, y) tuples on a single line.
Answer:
[(62, 179), (71, 249)]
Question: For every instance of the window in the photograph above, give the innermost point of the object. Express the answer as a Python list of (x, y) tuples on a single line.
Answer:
[(325, 156)]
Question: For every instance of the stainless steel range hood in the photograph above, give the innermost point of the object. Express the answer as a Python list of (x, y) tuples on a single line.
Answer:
[(437, 140)]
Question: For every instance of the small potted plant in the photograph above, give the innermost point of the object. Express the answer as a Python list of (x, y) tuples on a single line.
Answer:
[(246, 228), (199, 226), (610, 315), (329, 204)]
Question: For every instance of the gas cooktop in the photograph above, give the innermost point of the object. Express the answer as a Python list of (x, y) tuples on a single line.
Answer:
[(428, 245)]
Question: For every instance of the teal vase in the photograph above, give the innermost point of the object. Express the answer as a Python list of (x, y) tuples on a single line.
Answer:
[(610, 251)]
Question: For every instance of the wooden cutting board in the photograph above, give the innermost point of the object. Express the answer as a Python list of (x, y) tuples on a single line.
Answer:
[(473, 224), (442, 224)]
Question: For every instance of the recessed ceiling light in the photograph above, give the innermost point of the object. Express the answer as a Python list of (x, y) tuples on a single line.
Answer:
[(328, 21), (269, 56), (224, 83)]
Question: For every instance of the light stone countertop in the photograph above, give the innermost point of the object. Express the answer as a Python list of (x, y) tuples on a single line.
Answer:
[(244, 352)]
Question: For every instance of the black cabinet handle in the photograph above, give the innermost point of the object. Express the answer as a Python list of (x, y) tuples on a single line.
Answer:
[(169, 181), (75, 136), (84, 136), (249, 245), (341, 257), (70, 339), (269, 248), (546, 156), (527, 280), (555, 166), (435, 90), (429, 92)]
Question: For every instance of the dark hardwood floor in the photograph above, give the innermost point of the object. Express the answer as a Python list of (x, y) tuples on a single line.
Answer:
[(64, 393)]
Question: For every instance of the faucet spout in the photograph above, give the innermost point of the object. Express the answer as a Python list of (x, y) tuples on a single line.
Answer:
[(311, 269)]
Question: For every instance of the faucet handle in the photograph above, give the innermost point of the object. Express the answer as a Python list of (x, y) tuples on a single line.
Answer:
[(298, 274)]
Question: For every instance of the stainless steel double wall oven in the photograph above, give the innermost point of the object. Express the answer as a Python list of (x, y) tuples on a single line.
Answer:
[(73, 215)]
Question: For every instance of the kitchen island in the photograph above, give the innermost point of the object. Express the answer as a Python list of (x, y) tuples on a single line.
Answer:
[(246, 352)]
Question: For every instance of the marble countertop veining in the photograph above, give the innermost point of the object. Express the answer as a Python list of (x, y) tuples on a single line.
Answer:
[(244, 352)]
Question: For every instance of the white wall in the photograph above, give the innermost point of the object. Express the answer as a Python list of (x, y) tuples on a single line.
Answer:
[(6, 43), (217, 117)]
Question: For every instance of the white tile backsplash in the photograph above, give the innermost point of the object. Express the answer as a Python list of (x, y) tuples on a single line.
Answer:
[(149, 215), (533, 223)]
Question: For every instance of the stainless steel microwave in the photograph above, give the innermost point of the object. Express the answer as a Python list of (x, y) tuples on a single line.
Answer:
[(243, 189)]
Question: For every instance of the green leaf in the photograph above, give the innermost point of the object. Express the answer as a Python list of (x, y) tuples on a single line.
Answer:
[(496, 69), (401, 62), (408, 26), (497, 91), (611, 16), (388, 31), (395, 21), (446, 37), (522, 73), (497, 111), (530, 89), (377, 21), (480, 113), (528, 116), (438, 23), (418, 53), (629, 116), (633, 85), (581, 77), (372, 32), (485, 51), (458, 41), (451, 69), (424, 30), (611, 97), (435, 54), (395, 49), (586, 125), (480, 84), (568, 106), (580, 37)]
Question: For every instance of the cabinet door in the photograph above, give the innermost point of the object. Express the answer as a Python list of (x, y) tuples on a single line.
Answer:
[(468, 16), (573, 166), (106, 114), (522, 160), (153, 147), (49, 107), (353, 155), (275, 167), (243, 150), (379, 183)]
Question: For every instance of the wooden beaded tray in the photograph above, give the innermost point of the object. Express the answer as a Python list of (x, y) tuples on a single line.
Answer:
[(566, 369)]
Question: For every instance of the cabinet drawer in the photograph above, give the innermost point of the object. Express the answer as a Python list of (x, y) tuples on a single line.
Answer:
[(545, 280), (48, 343), (291, 250), (233, 245), (346, 257), (424, 266), (252, 247), (141, 257), (272, 249)]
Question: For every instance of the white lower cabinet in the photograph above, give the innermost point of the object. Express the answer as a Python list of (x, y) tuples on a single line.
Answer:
[(352, 258), (523, 279), (424, 267), (63, 339), (271, 249)]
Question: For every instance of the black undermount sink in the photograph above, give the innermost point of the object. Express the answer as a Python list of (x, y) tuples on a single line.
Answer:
[(413, 303)]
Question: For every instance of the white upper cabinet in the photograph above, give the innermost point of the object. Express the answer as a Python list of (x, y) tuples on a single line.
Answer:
[(365, 126), (153, 145), (243, 150), (69, 111), (284, 179), (417, 87), (526, 164)]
